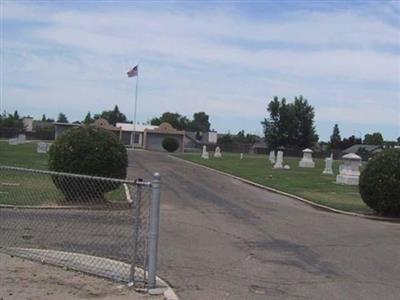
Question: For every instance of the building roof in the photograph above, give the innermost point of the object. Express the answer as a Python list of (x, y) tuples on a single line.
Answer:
[(66, 124), (355, 148), (165, 128), (138, 127)]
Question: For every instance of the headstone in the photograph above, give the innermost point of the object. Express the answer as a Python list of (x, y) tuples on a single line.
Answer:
[(43, 147), (350, 170), (217, 153), (241, 155), (272, 157), (279, 160), (21, 138), (328, 166), (204, 154), (286, 167), (13, 141), (307, 161)]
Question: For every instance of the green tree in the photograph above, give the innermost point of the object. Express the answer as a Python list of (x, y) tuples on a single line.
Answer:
[(174, 119), (375, 138), (112, 116), (225, 139), (200, 122), (10, 124), (62, 118), (336, 140), (290, 124), (88, 119), (241, 137), (44, 119), (350, 141), (302, 130)]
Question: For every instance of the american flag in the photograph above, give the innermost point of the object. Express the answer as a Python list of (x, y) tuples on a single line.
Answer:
[(133, 72)]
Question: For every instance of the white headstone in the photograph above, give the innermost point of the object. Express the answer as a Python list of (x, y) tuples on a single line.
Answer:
[(204, 154), (307, 161), (217, 153), (13, 141), (272, 157), (328, 166), (241, 155), (21, 138), (279, 160), (350, 169), (43, 147)]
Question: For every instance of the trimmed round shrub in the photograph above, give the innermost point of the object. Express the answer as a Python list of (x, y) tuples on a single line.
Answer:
[(380, 183), (88, 151), (170, 144)]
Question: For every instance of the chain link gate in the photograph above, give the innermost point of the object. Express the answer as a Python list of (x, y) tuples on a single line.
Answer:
[(104, 226)]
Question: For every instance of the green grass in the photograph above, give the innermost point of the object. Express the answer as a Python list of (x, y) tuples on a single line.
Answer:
[(23, 155), (22, 188), (306, 183)]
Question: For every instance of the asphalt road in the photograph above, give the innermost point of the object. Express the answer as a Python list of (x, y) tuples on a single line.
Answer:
[(223, 239)]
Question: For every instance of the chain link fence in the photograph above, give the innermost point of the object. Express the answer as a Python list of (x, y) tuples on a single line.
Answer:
[(92, 224)]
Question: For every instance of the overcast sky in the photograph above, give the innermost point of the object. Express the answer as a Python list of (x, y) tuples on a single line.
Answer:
[(225, 58)]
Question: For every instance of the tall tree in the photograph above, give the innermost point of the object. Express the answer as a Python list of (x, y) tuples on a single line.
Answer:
[(62, 118), (43, 118), (375, 138), (88, 119), (290, 124), (336, 140)]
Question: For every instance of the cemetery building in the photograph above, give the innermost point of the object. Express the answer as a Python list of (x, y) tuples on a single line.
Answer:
[(370, 149), (129, 135), (153, 138), (60, 128)]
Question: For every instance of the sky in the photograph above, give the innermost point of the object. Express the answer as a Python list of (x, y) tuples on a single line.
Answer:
[(227, 58)]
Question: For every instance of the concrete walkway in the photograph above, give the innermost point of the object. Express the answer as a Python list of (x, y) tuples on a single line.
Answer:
[(224, 239)]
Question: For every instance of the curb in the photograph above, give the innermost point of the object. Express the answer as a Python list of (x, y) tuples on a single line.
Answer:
[(116, 270), (313, 204), (113, 205)]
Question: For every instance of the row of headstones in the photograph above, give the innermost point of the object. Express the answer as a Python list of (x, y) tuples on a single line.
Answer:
[(205, 155), (349, 171), (21, 139), (217, 153)]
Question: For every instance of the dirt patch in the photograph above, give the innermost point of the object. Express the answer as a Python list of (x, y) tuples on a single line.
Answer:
[(24, 279)]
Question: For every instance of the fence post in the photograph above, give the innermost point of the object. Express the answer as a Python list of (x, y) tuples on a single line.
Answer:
[(154, 228), (137, 199)]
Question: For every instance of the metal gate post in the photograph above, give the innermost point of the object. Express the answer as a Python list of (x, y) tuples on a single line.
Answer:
[(154, 228), (137, 206)]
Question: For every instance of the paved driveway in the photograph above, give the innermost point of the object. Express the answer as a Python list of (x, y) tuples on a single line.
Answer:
[(223, 239)]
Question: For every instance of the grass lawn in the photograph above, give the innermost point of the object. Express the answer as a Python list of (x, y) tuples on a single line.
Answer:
[(22, 188), (306, 183)]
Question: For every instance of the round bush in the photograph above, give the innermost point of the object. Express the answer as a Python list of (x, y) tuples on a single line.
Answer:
[(380, 182), (170, 144), (88, 151)]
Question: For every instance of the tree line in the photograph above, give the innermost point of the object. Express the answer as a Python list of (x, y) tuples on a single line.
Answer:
[(291, 125)]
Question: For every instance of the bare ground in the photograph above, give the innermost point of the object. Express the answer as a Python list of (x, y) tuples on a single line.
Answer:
[(23, 279)]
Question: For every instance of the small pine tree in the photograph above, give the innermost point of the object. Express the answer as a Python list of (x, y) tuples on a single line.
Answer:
[(335, 138)]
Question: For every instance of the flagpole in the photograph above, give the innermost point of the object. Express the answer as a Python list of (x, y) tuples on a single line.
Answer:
[(134, 113)]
